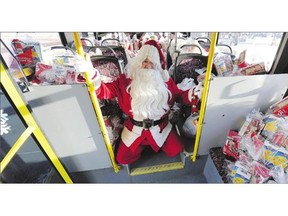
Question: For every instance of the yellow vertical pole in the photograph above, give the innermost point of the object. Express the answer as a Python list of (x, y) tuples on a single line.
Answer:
[(18, 101), (205, 93), (92, 93)]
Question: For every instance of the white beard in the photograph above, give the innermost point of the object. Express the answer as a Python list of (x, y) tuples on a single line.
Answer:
[(149, 95)]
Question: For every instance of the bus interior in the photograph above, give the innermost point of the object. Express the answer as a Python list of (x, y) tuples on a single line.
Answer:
[(55, 130)]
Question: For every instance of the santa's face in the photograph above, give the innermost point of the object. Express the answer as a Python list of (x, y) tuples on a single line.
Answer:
[(147, 64), (149, 93)]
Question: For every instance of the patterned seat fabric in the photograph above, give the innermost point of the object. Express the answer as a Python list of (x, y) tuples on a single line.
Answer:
[(107, 68), (186, 69), (113, 117), (219, 160)]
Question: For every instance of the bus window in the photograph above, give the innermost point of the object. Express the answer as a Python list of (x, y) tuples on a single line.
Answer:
[(259, 46), (89, 36), (199, 35), (47, 39)]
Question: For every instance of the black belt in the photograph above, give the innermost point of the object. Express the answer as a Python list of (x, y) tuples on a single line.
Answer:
[(147, 123)]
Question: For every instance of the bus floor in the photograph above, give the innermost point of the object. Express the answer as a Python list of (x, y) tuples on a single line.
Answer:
[(192, 172)]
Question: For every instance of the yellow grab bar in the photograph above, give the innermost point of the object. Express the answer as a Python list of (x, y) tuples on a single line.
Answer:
[(95, 103), (205, 93)]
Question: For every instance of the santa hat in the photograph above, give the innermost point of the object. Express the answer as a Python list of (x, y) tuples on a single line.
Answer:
[(151, 50), (161, 55)]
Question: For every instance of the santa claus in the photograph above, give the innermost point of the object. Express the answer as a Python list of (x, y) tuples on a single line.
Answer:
[(145, 93)]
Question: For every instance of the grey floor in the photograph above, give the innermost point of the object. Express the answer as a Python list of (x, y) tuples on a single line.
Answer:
[(193, 172)]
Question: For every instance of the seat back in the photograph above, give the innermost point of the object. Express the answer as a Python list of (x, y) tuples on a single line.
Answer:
[(118, 49), (86, 44), (186, 64), (113, 115), (107, 65)]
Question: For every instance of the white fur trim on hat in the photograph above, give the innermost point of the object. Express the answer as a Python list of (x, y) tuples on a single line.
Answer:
[(150, 52), (165, 75)]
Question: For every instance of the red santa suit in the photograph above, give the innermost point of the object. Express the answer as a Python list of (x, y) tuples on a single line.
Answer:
[(145, 128)]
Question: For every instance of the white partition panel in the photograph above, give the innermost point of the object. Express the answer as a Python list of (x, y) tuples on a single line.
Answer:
[(229, 101), (66, 116)]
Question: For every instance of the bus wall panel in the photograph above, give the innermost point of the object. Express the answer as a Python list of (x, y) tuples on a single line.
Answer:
[(229, 101), (67, 117)]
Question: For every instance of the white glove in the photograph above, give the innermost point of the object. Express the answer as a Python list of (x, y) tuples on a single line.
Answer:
[(84, 65), (96, 80)]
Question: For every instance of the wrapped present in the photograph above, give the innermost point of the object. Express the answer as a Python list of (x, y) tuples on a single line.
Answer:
[(223, 64), (253, 69), (281, 107), (274, 156), (240, 173), (231, 146), (260, 173)]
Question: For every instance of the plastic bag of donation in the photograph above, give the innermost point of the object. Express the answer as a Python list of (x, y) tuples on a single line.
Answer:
[(64, 72)]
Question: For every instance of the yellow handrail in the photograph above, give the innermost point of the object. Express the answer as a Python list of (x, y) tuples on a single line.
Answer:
[(17, 145), (91, 89), (205, 94)]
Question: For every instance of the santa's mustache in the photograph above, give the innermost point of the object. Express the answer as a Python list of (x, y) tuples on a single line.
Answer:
[(147, 74)]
